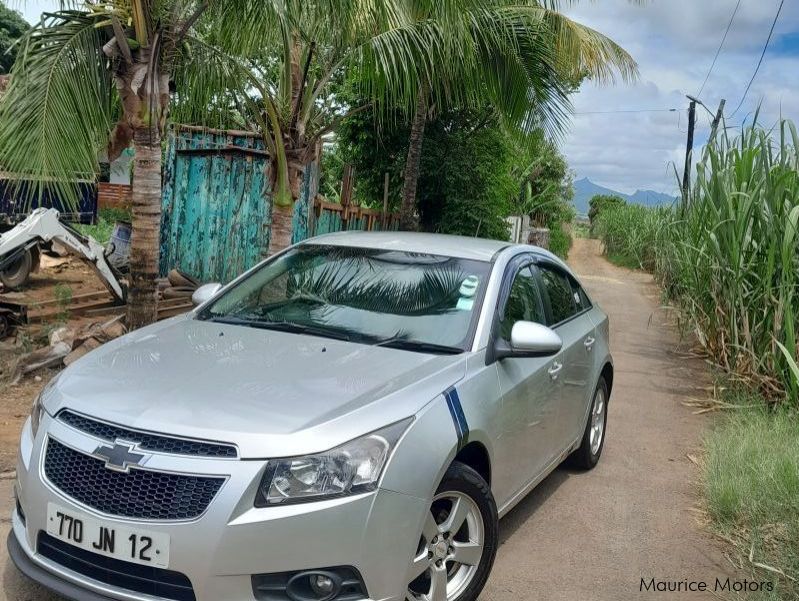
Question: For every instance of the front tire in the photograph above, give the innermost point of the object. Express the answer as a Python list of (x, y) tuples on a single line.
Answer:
[(16, 275), (587, 456), (458, 542)]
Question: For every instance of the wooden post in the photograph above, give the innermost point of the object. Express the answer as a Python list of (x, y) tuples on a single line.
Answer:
[(717, 120), (686, 178), (346, 195), (384, 220)]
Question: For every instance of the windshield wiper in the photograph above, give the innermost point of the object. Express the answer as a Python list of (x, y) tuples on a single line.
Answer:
[(284, 326), (419, 346)]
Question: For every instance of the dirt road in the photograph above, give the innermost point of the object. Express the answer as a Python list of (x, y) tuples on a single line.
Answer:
[(594, 536)]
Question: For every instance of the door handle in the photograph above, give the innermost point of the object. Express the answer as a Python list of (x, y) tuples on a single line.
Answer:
[(555, 370), (589, 343)]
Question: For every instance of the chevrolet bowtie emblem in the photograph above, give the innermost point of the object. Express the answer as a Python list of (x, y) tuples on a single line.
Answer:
[(120, 457)]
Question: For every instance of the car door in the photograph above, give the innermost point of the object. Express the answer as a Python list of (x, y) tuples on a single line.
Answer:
[(568, 314), (530, 390)]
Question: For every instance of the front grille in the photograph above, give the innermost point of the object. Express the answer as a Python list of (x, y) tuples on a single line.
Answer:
[(139, 494), (164, 584), (148, 442)]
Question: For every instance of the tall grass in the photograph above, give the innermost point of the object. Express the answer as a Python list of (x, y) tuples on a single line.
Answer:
[(751, 482), (729, 258), (630, 233)]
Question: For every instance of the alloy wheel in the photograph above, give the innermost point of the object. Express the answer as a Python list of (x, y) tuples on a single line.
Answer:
[(597, 421), (449, 551)]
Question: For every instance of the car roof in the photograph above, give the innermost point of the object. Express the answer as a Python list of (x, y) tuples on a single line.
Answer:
[(461, 247)]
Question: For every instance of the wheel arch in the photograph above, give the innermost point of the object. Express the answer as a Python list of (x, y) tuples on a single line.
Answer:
[(476, 456), (607, 373)]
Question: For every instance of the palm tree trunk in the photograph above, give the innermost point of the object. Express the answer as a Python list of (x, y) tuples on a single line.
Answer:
[(145, 240), (408, 207), (281, 230)]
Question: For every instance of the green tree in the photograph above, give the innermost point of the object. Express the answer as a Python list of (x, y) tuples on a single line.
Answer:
[(407, 57), (474, 173), (600, 203), (101, 76), (12, 27), (546, 53)]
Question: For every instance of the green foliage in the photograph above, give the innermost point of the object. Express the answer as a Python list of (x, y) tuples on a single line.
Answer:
[(465, 183), (751, 482), (12, 27), (730, 258), (546, 192), (106, 219), (600, 202), (63, 296), (631, 233), (473, 174)]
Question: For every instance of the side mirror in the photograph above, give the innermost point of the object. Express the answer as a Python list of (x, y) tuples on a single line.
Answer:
[(529, 339), (205, 293)]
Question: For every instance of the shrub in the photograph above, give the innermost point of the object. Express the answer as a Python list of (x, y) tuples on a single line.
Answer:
[(601, 202)]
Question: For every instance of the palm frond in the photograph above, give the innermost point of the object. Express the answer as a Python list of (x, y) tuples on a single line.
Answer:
[(56, 115), (213, 88)]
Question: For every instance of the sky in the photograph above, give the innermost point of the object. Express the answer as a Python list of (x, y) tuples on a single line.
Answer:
[(674, 42)]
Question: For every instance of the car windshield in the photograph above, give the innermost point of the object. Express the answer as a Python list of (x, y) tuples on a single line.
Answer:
[(392, 298)]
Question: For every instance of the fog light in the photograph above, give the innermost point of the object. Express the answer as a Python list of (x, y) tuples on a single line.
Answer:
[(322, 585), (341, 583)]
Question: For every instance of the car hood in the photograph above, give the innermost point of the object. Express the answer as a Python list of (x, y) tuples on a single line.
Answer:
[(271, 393)]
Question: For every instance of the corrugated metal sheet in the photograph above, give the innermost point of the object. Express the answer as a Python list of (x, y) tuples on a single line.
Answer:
[(216, 208)]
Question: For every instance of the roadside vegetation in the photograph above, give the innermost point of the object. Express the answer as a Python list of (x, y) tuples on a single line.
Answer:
[(474, 172), (106, 219), (728, 260), (751, 483)]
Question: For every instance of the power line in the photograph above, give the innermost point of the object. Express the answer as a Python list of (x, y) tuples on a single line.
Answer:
[(724, 39), (760, 62), (627, 111)]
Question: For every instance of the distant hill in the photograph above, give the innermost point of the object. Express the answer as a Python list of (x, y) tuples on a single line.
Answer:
[(585, 189)]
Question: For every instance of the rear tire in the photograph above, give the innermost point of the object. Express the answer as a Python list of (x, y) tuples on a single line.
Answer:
[(16, 275), (587, 456), (459, 540)]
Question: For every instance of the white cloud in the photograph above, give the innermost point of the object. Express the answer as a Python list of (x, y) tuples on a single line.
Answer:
[(674, 42)]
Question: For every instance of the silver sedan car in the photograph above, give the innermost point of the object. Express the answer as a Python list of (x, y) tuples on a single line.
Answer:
[(347, 421)]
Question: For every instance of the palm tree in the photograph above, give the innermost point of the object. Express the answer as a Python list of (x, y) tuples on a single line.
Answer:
[(527, 76), (411, 55), (100, 77)]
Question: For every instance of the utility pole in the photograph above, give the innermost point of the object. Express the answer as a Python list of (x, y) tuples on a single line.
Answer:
[(686, 178), (717, 120)]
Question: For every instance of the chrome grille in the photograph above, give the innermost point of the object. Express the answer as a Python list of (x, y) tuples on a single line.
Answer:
[(142, 494), (157, 443)]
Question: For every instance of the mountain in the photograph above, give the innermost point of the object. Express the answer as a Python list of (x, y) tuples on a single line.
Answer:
[(585, 189)]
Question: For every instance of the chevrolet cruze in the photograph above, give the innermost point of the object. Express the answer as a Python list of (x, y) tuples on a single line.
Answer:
[(347, 421)]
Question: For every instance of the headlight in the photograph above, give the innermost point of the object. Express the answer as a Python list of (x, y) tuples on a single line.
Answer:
[(352, 468), (36, 414), (38, 407)]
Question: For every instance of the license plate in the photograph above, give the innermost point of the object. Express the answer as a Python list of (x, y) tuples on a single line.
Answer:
[(128, 544)]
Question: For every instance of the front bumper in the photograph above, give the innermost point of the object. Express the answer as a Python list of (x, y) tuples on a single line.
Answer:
[(219, 552)]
